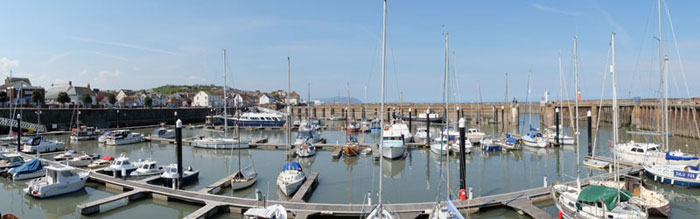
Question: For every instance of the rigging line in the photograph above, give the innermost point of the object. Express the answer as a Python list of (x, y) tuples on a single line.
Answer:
[(600, 106), (680, 63)]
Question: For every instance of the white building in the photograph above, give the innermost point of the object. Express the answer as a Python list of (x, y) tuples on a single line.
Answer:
[(264, 99), (207, 99)]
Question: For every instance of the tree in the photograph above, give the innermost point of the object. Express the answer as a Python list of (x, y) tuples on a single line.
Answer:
[(37, 96), (3, 97), (112, 99), (63, 98), (148, 101), (86, 99), (99, 97)]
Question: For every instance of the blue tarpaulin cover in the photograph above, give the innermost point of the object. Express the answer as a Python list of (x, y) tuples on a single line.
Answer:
[(28, 167), (291, 166), (670, 156)]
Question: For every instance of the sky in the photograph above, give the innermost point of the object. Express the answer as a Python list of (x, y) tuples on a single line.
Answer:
[(145, 44)]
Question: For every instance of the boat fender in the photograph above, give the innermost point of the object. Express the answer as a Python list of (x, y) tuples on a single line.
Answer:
[(189, 168)]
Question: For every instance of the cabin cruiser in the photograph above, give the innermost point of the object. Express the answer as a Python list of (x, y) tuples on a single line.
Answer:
[(36, 144), (12, 139), (123, 137), (563, 139), (595, 202), (510, 143), (244, 178), (103, 138), (403, 129), (163, 133), (475, 135), (421, 133), (306, 149), (393, 143), (428, 115), (84, 133), (29, 170), (253, 120), (353, 127), (440, 146), (83, 160), (307, 135), (291, 178), (11, 160), (534, 140), (269, 212), (121, 167), (651, 153), (454, 145), (674, 174), (490, 144), (104, 161), (69, 154), (219, 143), (169, 176), (59, 180), (147, 168)]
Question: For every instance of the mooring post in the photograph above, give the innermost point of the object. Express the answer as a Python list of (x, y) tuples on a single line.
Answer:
[(427, 117), (410, 117), (19, 132), (590, 142), (556, 123), (545, 181), (503, 122), (471, 193), (462, 158), (178, 140)]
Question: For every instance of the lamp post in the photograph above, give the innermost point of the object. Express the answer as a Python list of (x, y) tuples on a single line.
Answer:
[(38, 116), (117, 118)]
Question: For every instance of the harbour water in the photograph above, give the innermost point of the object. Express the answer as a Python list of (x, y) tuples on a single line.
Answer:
[(347, 180)]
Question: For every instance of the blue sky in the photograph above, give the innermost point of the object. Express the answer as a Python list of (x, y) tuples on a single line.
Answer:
[(143, 44)]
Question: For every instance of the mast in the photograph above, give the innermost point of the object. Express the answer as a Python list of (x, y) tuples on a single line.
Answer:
[(561, 94), (527, 100), (347, 112), (447, 105), (614, 108), (308, 106), (381, 121), (578, 168), (225, 105), (664, 79), (666, 131), (289, 109)]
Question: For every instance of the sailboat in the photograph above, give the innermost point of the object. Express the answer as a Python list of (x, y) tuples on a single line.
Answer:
[(380, 212), (445, 209), (533, 138), (244, 177), (351, 147), (305, 147), (292, 175), (221, 142), (595, 201)]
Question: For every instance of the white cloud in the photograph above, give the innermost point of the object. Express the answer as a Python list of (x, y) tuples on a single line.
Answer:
[(120, 44), (7, 64), (551, 9), (57, 57)]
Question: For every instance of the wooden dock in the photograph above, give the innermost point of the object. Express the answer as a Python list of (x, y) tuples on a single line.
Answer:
[(213, 203), (306, 188), (218, 185)]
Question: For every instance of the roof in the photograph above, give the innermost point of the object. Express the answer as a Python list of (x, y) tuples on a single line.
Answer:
[(606, 194), (80, 91), (54, 90), (60, 168), (17, 79)]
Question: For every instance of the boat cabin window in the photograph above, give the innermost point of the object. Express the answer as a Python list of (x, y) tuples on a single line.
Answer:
[(571, 204), (172, 170), (652, 149), (638, 150), (65, 174), (51, 176), (118, 163), (14, 159)]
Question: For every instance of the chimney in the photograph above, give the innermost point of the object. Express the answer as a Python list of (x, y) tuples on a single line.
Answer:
[(70, 83), (88, 85)]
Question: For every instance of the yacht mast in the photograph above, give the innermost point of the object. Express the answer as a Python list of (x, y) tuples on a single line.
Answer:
[(225, 105), (561, 95), (614, 108), (289, 108), (578, 168), (381, 115), (447, 105), (664, 81)]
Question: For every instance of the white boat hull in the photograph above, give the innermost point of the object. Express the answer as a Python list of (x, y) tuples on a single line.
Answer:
[(44, 190), (220, 144), (540, 143), (439, 149), (124, 141), (238, 185), (393, 152), (301, 152), (43, 147), (289, 187), (36, 174)]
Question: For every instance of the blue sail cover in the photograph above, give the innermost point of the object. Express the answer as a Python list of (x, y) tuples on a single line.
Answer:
[(532, 129), (291, 166), (28, 167), (670, 156)]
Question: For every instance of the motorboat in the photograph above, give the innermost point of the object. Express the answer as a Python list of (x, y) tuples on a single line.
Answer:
[(510, 143), (270, 212), (597, 164), (490, 144), (451, 133), (428, 115), (655, 203), (421, 133), (307, 135), (104, 161), (454, 145), (306, 149), (69, 154), (36, 144), (563, 139), (84, 133), (220, 143), (652, 153), (258, 120), (83, 160), (353, 127), (674, 174), (291, 178), (170, 175), (59, 180), (162, 133), (121, 167), (103, 137), (440, 146), (244, 178), (123, 137), (10, 160), (595, 202), (403, 129), (534, 140), (29, 170), (365, 126), (147, 168), (393, 145), (475, 135), (12, 139)]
